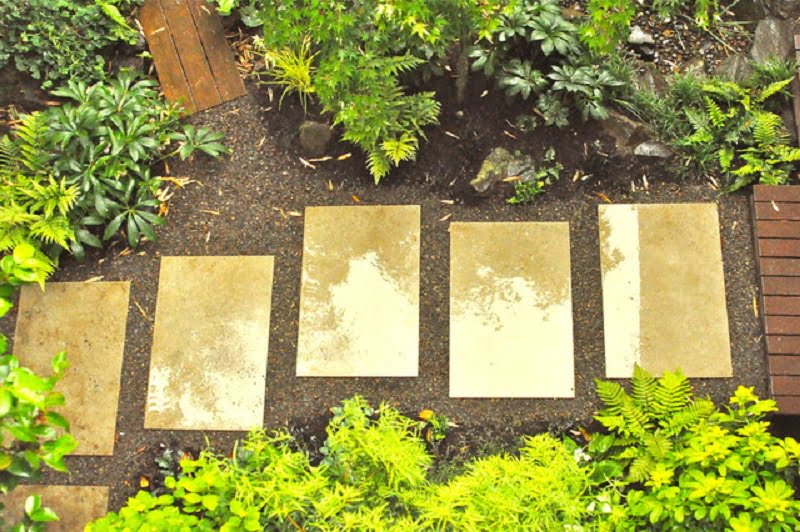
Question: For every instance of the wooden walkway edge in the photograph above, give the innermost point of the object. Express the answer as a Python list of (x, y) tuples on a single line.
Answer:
[(194, 62), (776, 223)]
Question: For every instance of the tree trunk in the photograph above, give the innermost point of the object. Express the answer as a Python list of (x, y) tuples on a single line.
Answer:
[(462, 73)]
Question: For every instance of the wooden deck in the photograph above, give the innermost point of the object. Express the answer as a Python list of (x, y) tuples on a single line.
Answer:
[(777, 235), (194, 62)]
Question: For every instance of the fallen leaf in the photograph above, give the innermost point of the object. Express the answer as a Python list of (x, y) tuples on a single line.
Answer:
[(586, 435), (294, 213), (330, 185), (507, 134), (208, 236), (141, 310), (445, 217), (447, 201), (484, 93), (426, 414), (144, 482), (214, 213), (452, 135), (321, 159), (261, 142), (603, 197), (306, 163), (755, 306), (512, 178), (356, 199), (94, 279), (344, 156), (774, 206)]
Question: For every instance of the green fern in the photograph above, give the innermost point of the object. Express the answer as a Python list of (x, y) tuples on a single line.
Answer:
[(400, 149), (378, 165), (768, 129), (51, 197), (31, 142), (612, 394), (9, 158), (53, 230), (715, 113), (773, 89), (672, 393), (643, 386)]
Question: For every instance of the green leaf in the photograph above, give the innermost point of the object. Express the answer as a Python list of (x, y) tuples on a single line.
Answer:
[(5, 306)]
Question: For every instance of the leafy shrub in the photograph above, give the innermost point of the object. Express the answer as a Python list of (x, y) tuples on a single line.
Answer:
[(359, 51), (725, 127), (372, 477), (536, 51), (77, 174), (59, 40), (687, 465)]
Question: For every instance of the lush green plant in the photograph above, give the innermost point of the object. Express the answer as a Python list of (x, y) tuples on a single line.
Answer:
[(526, 190), (358, 52), (608, 24), (536, 51), (725, 127), (76, 174), (58, 40), (687, 465)]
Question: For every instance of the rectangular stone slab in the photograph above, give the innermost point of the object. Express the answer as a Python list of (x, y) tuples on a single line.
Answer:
[(510, 310), (87, 320), (76, 506), (663, 290), (209, 359), (359, 299)]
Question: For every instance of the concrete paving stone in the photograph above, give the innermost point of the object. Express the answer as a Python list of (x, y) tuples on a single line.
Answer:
[(663, 290), (209, 358), (87, 320), (75, 505), (359, 299), (511, 310)]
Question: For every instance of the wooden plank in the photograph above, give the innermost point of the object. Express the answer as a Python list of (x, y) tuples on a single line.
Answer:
[(788, 405), (785, 385), (165, 56), (218, 52), (779, 247), (789, 345), (784, 365), (781, 267), (780, 286), (785, 211), (778, 229), (190, 50), (784, 325), (782, 305), (787, 193)]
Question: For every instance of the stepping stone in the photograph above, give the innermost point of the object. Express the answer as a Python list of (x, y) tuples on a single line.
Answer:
[(359, 299), (510, 310), (194, 61), (76, 506), (87, 320), (663, 290), (208, 365)]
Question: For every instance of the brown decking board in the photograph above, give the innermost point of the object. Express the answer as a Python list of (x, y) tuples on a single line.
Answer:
[(776, 211), (193, 60)]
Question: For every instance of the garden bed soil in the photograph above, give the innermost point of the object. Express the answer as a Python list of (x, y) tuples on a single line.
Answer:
[(259, 194)]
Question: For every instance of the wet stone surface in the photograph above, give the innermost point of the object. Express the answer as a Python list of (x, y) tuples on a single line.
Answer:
[(209, 360), (87, 320), (510, 310), (359, 301), (663, 290), (75, 505)]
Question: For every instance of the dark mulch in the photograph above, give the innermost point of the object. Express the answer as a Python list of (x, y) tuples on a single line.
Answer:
[(265, 179)]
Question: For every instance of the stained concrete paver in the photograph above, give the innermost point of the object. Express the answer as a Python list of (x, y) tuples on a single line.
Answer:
[(209, 357), (511, 310), (87, 320), (75, 505), (664, 290), (359, 298)]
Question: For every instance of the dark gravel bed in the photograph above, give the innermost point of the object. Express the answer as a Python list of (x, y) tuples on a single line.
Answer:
[(254, 193)]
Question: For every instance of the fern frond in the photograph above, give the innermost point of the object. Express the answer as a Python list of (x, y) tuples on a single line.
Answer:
[(724, 90), (772, 89), (768, 129), (612, 394), (640, 468), (657, 444), (672, 393), (636, 421), (400, 149), (9, 158), (378, 165), (643, 386), (687, 416), (31, 137), (53, 230), (715, 113), (54, 196), (401, 63)]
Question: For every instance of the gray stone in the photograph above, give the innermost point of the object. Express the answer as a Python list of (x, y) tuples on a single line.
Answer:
[(773, 38), (638, 36), (625, 132), (314, 137), (493, 169), (750, 10), (735, 68), (786, 9), (649, 78), (787, 114), (653, 149)]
